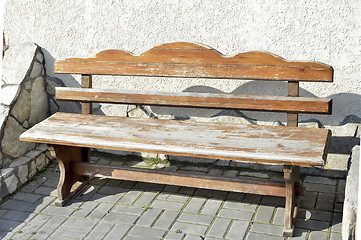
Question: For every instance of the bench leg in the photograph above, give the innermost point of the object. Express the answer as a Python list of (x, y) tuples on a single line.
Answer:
[(291, 177), (69, 184)]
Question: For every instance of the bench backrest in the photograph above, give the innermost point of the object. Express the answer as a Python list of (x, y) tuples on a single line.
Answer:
[(195, 61)]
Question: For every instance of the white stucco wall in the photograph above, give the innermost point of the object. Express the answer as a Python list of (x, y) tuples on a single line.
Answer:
[(324, 31)]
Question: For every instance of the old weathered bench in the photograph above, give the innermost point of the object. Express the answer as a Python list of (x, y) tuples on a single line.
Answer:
[(71, 135)]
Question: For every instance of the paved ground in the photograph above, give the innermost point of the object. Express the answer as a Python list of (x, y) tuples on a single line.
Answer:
[(113, 209)]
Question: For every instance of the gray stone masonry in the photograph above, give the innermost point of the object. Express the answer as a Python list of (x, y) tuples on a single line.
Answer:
[(351, 197), (115, 209)]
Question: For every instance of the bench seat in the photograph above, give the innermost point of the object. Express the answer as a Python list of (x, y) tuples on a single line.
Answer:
[(261, 144)]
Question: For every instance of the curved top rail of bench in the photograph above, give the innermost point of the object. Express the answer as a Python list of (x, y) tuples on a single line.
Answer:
[(183, 59)]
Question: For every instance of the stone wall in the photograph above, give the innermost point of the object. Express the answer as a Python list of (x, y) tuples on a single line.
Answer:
[(23, 103)]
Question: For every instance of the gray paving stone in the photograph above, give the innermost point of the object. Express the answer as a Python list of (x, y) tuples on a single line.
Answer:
[(264, 214), (320, 180), (317, 235), (118, 232), (195, 204), (47, 191), (149, 186), (273, 201), (33, 185), (337, 223), (85, 209), (211, 193), (341, 186), (211, 207), (236, 196), (98, 181), (338, 207), (174, 236), (219, 227), (239, 206), (19, 216), (260, 236), (325, 202), (299, 234), (113, 182), (87, 192), (195, 218), (120, 218), (100, 231), (279, 216), (68, 233), (51, 183), (124, 209), (316, 187), (267, 229), (340, 198), (144, 232), (312, 225), (8, 225), (149, 217), (314, 214), (36, 223), (127, 184), (166, 220), (173, 197), (58, 211), (190, 228), (309, 200), (145, 199), (130, 197), (166, 205), (79, 223), (16, 205), (187, 190), (235, 214), (27, 197), (108, 190), (100, 211), (230, 173), (3, 212), (193, 237), (238, 230), (105, 198), (41, 204), (48, 228), (336, 236), (171, 189), (252, 198)]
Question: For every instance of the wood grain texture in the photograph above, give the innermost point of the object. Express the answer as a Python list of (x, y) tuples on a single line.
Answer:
[(238, 184), (202, 100), (183, 59), (263, 144)]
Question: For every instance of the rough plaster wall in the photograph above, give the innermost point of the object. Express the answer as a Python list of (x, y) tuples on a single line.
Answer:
[(324, 31)]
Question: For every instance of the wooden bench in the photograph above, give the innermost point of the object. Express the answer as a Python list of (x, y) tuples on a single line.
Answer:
[(70, 136)]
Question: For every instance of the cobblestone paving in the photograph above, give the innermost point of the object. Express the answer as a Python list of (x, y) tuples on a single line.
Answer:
[(114, 209)]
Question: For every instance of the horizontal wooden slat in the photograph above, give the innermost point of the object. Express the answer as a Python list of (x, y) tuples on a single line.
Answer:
[(203, 100), (263, 144), (184, 59), (181, 179)]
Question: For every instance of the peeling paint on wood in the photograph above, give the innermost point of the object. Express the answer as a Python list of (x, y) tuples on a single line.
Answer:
[(264, 144)]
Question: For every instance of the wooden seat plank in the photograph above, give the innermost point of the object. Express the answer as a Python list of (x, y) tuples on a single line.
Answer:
[(204, 100), (263, 144)]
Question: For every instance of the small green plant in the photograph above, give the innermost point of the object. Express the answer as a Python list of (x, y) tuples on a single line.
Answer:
[(178, 231), (145, 208), (77, 208), (18, 232)]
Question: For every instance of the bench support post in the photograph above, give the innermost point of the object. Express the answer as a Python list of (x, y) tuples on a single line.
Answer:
[(291, 177), (69, 183)]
